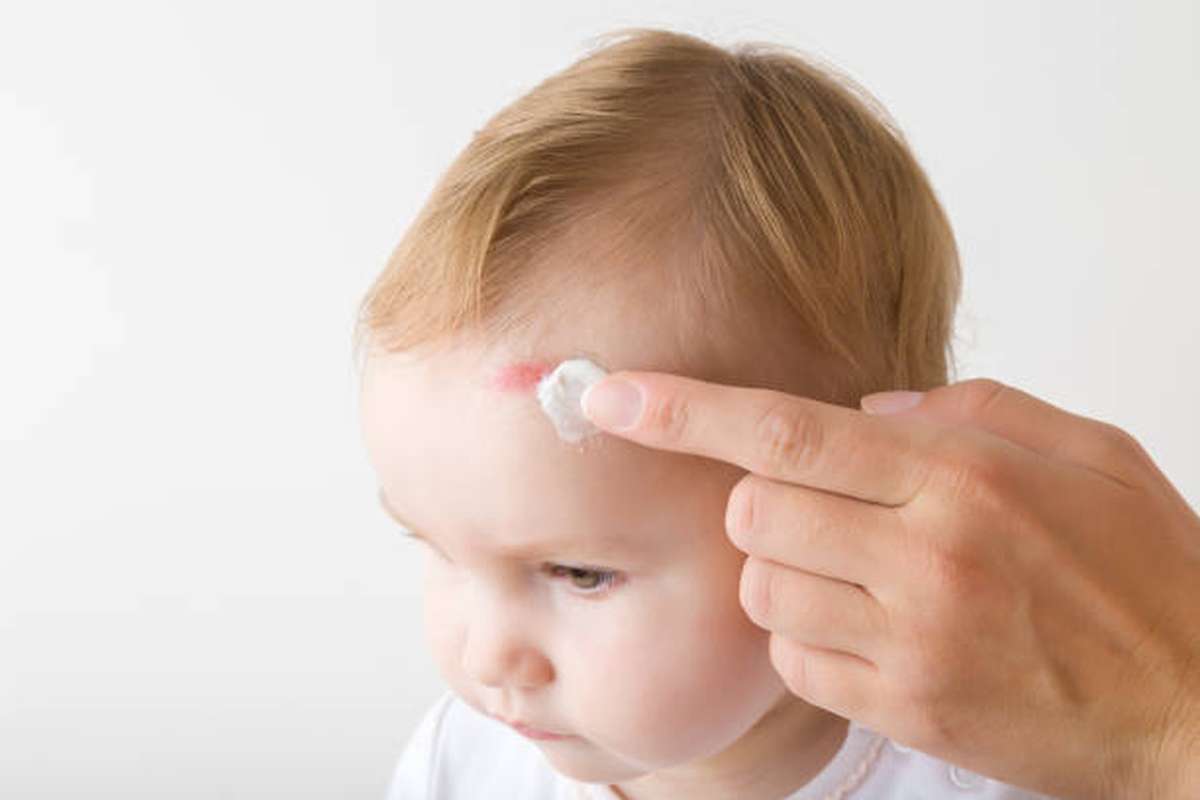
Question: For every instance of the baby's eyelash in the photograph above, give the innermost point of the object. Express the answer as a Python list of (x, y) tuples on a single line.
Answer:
[(607, 577)]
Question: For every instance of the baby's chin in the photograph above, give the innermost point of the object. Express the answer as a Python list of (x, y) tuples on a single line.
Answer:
[(582, 761)]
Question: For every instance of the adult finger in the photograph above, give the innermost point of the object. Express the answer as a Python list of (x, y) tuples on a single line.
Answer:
[(813, 610), (781, 436), (817, 532), (1035, 424), (843, 683)]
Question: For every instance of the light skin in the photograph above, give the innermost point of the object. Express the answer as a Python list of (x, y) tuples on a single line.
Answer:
[(663, 683), (900, 564), (986, 577)]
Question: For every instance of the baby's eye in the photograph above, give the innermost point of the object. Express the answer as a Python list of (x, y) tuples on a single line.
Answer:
[(591, 581)]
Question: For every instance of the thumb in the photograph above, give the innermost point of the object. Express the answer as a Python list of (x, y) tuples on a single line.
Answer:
[(1022, 419)]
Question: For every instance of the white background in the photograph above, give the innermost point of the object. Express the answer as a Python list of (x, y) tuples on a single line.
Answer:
[(198, 596)]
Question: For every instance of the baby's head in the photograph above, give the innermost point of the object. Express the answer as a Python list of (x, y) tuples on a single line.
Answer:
[(663, 204)]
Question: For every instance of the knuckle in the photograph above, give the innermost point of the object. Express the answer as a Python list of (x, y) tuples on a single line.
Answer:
[(980, 393), (788, 441), (951, 571), (1119, 440), (667, 415), (974, 475)]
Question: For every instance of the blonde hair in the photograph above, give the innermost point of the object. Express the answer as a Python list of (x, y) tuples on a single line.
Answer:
[(787, 182)]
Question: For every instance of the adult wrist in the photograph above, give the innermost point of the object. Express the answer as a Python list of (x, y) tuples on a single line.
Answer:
[(1189, 785), (1182, 773)]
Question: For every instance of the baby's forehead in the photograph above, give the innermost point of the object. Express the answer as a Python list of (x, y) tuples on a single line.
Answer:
[(519, 376), (489, 463), (516, 364)]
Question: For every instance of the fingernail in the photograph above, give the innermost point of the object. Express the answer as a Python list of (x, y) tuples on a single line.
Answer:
[(613, 403), (890, 402)]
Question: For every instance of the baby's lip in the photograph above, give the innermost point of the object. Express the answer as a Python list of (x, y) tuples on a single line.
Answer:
[(526, 728)]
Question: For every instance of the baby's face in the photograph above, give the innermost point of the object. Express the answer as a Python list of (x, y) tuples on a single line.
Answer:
[(587, 590)]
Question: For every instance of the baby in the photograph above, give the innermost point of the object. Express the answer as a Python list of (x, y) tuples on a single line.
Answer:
[(734, 215)]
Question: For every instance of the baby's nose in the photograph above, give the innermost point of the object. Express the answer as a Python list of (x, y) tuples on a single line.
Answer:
[(504, 659)]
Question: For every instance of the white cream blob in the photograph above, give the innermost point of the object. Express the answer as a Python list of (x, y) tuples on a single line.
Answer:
[(559, 393)]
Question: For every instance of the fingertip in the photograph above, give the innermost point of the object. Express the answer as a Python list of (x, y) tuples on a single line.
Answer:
[(613, 403)]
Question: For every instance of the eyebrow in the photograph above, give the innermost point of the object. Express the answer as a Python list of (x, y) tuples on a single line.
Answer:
[(612, 544)]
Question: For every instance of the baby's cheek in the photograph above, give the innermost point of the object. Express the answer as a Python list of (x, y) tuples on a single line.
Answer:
[(443, 632), (673, 689)]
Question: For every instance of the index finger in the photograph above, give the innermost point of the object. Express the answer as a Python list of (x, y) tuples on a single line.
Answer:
[(774, 434)]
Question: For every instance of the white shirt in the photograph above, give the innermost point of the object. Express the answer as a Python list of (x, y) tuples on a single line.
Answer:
[(456, 753)]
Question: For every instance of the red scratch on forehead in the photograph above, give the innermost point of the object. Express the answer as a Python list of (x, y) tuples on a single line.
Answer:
[(519, 376)]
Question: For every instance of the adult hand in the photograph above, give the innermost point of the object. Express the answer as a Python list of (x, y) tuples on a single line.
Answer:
[(985, 577)]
